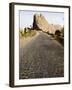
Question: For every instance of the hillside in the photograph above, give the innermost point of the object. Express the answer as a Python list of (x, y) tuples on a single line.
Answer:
[(40, 23)]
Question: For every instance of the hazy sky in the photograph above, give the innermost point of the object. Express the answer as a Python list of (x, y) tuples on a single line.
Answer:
[(26, 17)]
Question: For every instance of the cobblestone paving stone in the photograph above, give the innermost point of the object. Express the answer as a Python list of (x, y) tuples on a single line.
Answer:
[(42, 57)]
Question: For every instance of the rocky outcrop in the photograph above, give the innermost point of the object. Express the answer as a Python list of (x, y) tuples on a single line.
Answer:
[(40, 23)]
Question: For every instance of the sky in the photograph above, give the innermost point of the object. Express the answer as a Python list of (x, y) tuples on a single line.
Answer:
[(26, 17)]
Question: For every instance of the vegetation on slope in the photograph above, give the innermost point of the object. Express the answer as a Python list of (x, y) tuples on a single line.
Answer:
[(27, 33)]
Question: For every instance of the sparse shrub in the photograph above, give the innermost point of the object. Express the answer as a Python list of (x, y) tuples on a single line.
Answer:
[(24, 30), (27, 32), (57, 33), (22, 33)]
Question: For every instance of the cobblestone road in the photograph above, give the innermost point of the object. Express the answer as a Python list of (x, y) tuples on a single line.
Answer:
[(42, 57)]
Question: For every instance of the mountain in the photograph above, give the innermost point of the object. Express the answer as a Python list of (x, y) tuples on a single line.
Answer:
[(40, 23)]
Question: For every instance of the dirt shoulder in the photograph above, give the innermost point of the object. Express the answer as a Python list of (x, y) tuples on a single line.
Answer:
[(25, 40)]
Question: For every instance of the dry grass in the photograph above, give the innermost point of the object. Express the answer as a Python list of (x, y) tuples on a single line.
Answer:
[(27, 34)]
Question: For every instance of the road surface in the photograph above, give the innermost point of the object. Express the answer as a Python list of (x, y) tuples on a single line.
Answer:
[(42, 57)]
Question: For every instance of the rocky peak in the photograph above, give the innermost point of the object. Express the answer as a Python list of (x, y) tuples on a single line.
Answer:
[(40, 23)]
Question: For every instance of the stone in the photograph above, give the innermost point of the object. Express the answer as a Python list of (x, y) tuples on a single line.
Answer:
[(40, 23)]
